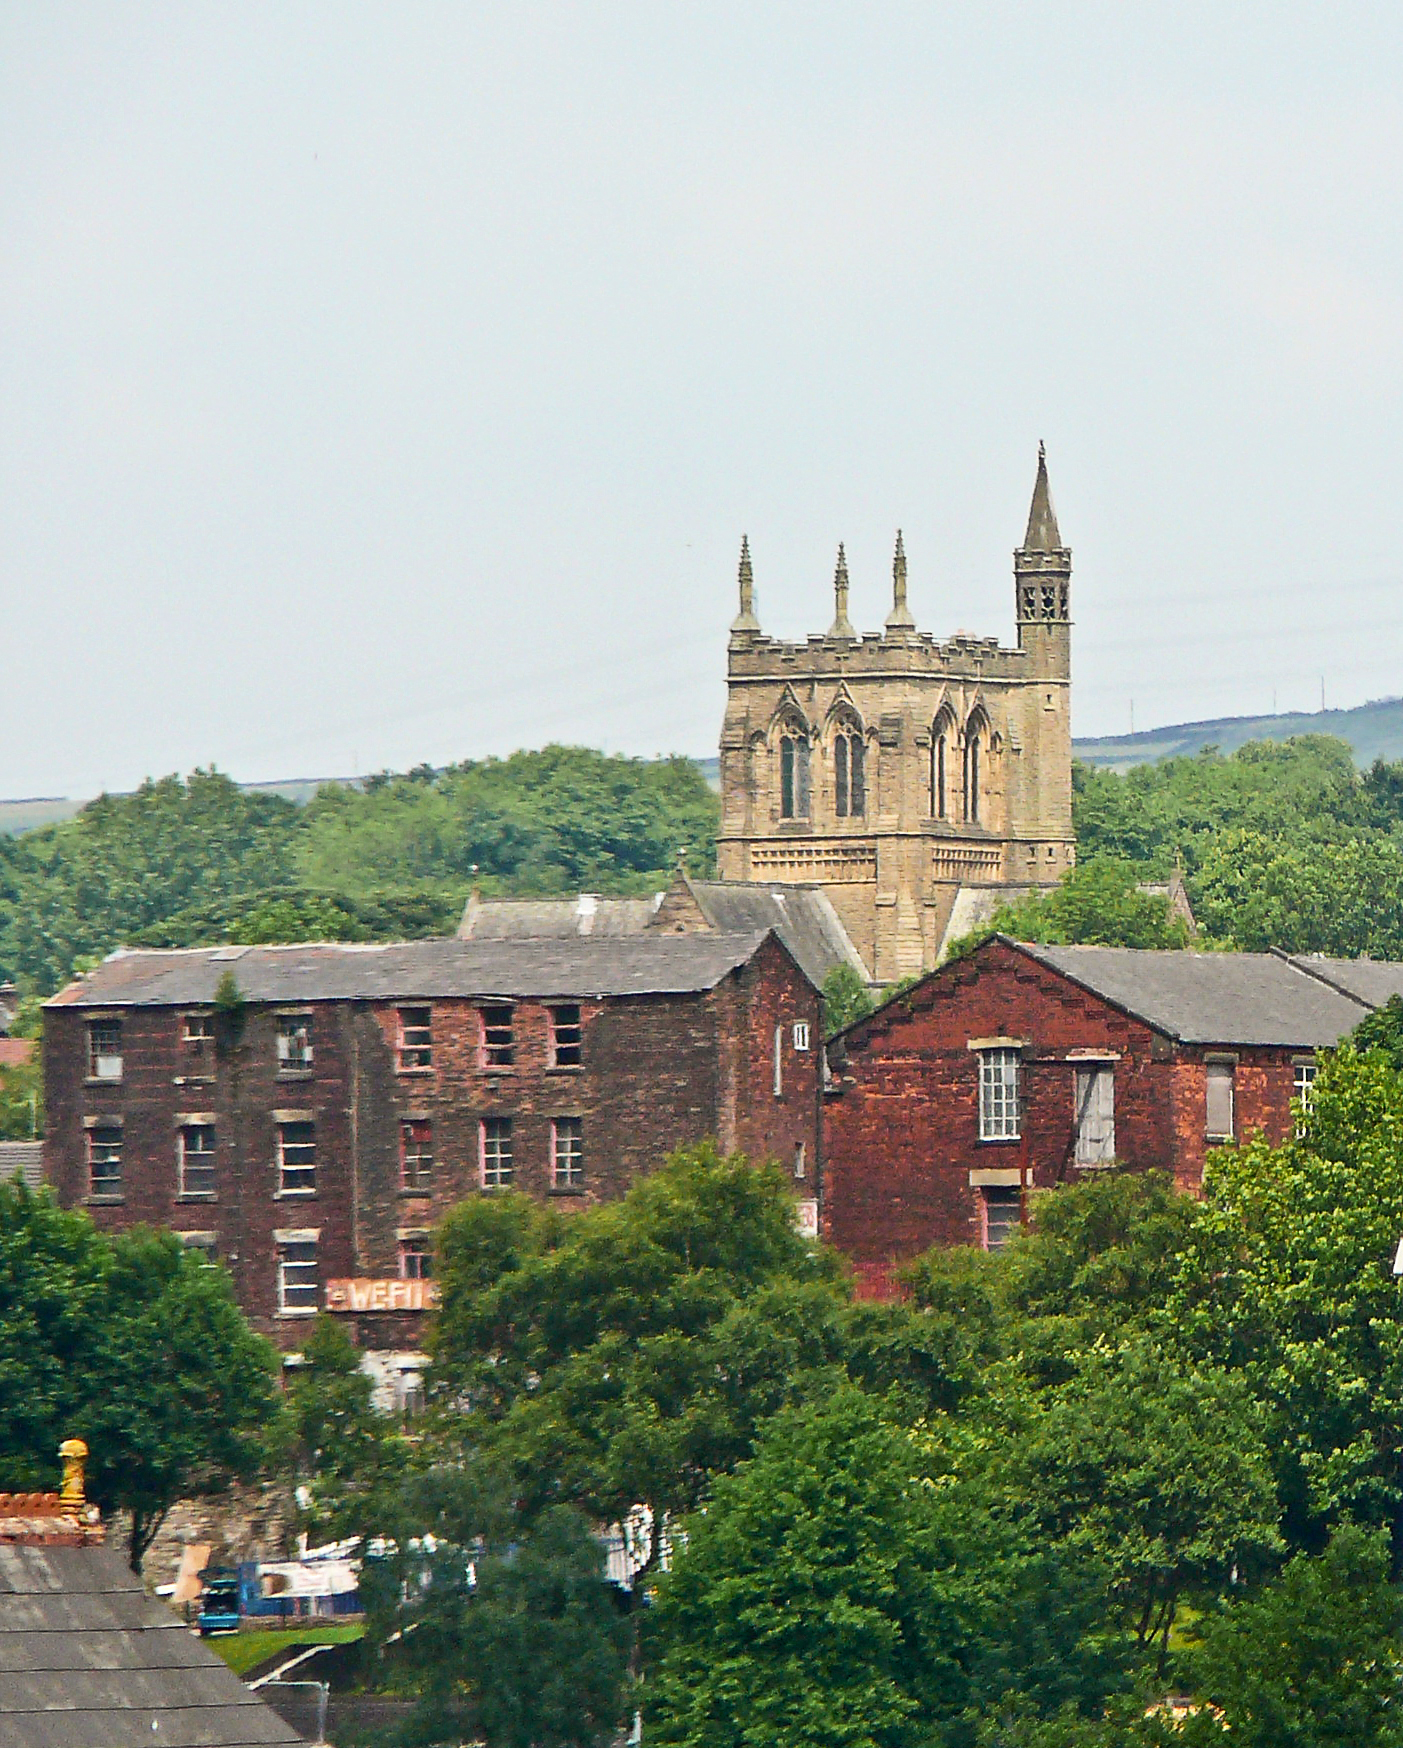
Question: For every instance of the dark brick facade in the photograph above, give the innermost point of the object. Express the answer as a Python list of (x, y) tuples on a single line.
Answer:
[(654, 1072), (905, 1167)]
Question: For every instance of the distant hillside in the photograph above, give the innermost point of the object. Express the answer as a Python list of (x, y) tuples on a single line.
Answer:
[(1374, 731), (23, 816)]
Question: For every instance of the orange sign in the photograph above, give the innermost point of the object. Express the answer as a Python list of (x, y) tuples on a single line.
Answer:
[(369, 1295)]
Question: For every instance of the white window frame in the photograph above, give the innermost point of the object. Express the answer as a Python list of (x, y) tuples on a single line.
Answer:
[(105, 1064), (298, 1187), (204, 1161), (496, 1164), (1303, 1075), (801, 1164), (1001, 1093), (567, 1153), (801, 1035), (779, 1062), (416, 1042), (421, 1178), (415, 1245), (112, 1184), (299, 1274)]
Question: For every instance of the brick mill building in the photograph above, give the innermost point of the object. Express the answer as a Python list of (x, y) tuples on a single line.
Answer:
[(917, 782), (313, 1135), (1023, 1067)]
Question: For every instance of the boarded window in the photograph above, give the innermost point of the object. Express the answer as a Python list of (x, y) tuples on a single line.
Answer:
[(1220, 1101), (565, 1036), (1002, 1212), (939, 770), (972, 779), (416, 1038), (496, 1152), (195, 1148), (105, 1050), (1096, 1116), (849, 794), (567, 1153), (999, 1078), (416, 1153)]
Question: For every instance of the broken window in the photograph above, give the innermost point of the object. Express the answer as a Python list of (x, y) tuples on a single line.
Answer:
[(1096, 1116), (567, 1153), (416, 1153), (1219, 1101), (198, 1032), (297, 1275), (105, 1159), (297, 1158), (498, 1049), (496, 1152), (1001, 1214), (1000, 1075), (195, 1151), (294, 1043), (566, 1036), (416, 1038), (105, 1050), (416, 1262)]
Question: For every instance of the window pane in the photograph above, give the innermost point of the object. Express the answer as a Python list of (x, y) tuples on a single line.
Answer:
[(497, 1045), (195, 1145), (105, 1050), (1003, 1213), (297, 1156), (105, 1160), (294, 1041), (416, 1038), (416, 1154), (566, 1036), (567, 1152), (415, 1260), (496, 1152), (297, 1277), (999, 1077)]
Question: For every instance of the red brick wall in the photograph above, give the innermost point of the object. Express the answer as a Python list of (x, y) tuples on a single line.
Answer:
[(657, 1072), (901, 1127)]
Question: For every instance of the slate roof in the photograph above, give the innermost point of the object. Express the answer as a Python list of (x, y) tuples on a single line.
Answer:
[(88, 1660), (1367, 980), (802, 916), (554, 919), (1212, 998), (641, 964)]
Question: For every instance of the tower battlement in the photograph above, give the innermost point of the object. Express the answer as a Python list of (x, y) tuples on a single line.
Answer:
[(919, 780)]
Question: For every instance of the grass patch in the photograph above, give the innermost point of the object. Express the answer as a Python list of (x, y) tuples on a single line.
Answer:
[(242, 1650)]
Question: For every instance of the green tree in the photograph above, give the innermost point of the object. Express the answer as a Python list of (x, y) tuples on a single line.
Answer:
[(22, 1100), (134, 1345), (343, 1452), (1311, 1661), (846, 999), (503, 1626), (1098, 903)]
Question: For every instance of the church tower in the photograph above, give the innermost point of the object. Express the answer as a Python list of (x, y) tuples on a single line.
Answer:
[(917, 782)]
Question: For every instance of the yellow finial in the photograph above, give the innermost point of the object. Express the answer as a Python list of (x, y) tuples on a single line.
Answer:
[(73, 1454)]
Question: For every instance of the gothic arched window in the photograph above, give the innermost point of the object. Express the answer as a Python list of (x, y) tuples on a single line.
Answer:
[(849, 774), (976, 735), (793, 774), (941, 740)]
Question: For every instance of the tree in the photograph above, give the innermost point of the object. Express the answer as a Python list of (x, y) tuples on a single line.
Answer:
[(22, 1100), (846, 999), (133, 1344), (505, 1626), (1099, 902), (1311, 1661), (343, 1451)]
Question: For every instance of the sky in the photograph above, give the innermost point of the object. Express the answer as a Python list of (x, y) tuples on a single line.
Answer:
[(389, 383)]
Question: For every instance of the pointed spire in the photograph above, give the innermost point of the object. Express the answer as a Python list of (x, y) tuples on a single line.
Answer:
[(745, 620), (842, 626), (900, 618), (1042, 535)]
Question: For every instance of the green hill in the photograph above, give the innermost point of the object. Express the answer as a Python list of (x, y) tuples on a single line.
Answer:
[(1373, 731)]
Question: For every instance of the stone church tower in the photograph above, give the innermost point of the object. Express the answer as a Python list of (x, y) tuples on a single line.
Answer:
[(917, 782)]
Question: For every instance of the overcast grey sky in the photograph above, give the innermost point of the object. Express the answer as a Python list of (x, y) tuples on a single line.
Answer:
[(394, 382)]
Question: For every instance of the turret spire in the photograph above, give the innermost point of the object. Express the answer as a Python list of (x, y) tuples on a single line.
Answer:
[(842, 626), (1042, 535), (900, 618), (745, 620)]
